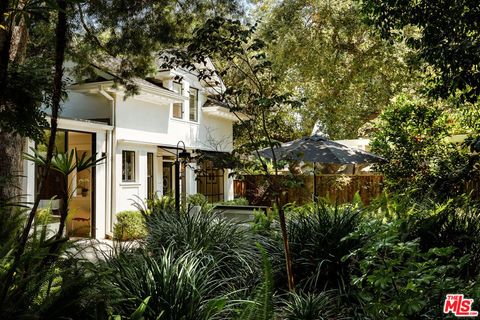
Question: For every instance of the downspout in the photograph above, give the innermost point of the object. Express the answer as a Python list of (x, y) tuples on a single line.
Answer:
[(109, 189)]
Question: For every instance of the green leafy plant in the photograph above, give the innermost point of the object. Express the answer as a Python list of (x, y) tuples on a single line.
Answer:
[(130, 225), (180, 285), (316, 232), (411, 134), (231, 247), (397, 280), (261, 307), (235, 202), (306, 306), (158, 203)]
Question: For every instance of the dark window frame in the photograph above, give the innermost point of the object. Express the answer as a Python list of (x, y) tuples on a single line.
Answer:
[(133, 169)]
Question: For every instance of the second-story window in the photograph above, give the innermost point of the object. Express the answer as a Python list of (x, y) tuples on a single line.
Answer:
[(193, 104), (178, 106)]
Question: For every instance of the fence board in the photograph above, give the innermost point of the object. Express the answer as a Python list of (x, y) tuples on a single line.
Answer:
[(338, 188)]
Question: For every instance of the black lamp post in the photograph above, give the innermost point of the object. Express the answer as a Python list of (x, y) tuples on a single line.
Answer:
[(184, 155)]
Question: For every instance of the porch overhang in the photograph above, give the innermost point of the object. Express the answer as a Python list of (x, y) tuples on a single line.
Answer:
[(147, 91)]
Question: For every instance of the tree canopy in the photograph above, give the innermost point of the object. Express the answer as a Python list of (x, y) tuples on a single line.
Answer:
[(447, 38), (323, 50)]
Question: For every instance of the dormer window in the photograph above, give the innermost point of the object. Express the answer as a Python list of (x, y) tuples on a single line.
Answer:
[(193, 104), (177, 111)]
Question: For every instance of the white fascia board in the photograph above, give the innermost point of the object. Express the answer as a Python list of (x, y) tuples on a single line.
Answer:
[(165, 95), (81, 125), (224, 113)]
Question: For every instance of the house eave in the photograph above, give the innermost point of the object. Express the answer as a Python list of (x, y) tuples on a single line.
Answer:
[(147, 92), (224, 113)]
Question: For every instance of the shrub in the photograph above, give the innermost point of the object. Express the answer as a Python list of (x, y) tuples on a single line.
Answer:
[(231, 247), (411, 136), (157, 203), (235, 202), (316, 233), (306, 306), (130, 225), (396, 278), (197, 200), (180, 285)]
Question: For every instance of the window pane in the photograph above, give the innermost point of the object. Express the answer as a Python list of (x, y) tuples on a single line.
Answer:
[(177, 107), (193, 104), (128, 166), (177, 87), (178, 110)]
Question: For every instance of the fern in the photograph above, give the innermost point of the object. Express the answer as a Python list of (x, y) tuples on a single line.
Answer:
[(261, 307)]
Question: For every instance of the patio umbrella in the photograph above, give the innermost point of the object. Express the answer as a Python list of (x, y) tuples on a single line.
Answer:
[(319, 149)]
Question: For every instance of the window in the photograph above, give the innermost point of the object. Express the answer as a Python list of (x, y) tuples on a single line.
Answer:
[(193, 104), (210, 182), (177, 106), (128, 166)]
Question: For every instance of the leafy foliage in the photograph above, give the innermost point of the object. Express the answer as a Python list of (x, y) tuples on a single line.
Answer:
[(130, 225), (315, 233), (261, 307), (324, 51), (395, 275), (180, 286), (304, 306), (445, 38), (225, 243), (412, 135)]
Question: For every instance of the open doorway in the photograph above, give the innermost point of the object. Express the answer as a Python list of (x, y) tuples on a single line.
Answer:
[(81, 185)]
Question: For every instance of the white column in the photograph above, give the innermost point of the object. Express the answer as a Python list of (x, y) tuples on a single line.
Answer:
[(191, 182), (229, 192), (100, 188), (28, 185)]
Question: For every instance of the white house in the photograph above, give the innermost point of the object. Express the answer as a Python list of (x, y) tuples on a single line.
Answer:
[(138, 135)]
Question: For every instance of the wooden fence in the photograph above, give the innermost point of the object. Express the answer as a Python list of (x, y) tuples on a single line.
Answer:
[(338, 188)]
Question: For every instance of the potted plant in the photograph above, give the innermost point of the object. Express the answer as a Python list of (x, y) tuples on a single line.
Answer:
[(83, 184)]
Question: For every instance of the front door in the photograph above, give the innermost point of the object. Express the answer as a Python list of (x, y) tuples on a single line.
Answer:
[(167, 178), (150, 187)]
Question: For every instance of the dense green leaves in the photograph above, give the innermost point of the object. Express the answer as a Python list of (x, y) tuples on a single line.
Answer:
[(323, 51), (447, 37), (412, 134)]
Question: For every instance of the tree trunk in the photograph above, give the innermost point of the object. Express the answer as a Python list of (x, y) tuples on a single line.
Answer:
[(13, 43), (11, 166), (60, 47)]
